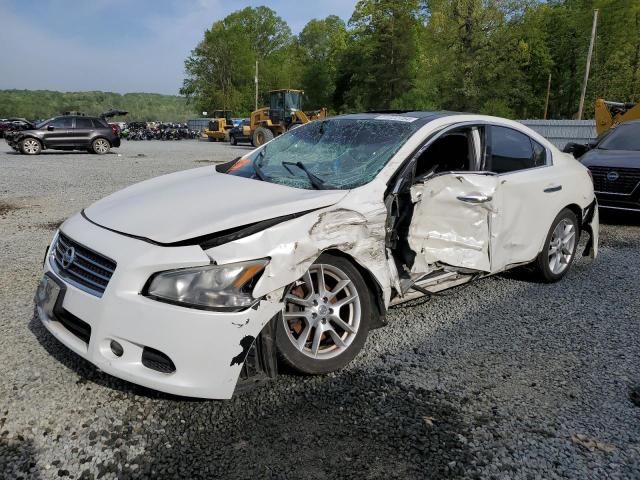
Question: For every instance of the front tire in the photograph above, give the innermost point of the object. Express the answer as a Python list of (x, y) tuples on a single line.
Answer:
[(261, 136), (326, 317), (30, 146), (560, 247), (100, 146)]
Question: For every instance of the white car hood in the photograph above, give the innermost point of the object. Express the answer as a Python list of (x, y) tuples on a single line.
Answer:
[(188, 204)]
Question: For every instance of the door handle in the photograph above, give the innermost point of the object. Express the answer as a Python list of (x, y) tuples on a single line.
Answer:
[(475, 198), (553, 188)]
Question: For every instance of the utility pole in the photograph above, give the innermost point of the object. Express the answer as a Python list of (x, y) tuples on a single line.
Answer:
[(256, 85), (588, 66), (546, 102)]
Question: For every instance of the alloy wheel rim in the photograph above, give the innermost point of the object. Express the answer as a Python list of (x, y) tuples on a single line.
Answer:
[(31, 146), (322, 312), (101, 146), (562, 246)]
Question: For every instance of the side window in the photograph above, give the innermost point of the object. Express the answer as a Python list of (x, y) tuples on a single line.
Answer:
[(454, 151), (539, 154), (510, 150), (61, 122), (82, 122), (99, 123)]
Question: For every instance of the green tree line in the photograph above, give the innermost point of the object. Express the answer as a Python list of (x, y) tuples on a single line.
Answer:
[(485, 56), (41, 104)]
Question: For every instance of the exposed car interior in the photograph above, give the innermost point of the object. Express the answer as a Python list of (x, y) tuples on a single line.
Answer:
[(454, 151)]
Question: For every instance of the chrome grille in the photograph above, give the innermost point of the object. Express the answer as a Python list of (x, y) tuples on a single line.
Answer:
[(625, 184), (88, 270)]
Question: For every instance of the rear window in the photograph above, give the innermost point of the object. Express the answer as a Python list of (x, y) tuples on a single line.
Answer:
[(100, 123), (512, 151)]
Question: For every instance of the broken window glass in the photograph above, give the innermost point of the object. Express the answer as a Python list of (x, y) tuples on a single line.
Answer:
[(341, 153)]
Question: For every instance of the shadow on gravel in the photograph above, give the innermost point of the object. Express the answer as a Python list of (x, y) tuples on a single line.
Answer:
[(17, 456), (353, 425), (54, 152)]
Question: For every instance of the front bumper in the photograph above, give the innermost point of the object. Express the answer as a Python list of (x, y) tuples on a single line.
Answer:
[(207, 348), (614, 201)]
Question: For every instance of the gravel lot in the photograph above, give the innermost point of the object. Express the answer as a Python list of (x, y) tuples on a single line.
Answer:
[(505, 379)]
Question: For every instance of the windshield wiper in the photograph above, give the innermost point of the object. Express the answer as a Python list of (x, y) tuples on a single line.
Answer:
[(317, 182), (257, 168)]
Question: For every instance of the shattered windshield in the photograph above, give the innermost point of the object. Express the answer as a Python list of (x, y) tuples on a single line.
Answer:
[(330, 154)]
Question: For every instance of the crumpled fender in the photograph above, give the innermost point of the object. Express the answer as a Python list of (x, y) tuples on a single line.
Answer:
[(355, 227)]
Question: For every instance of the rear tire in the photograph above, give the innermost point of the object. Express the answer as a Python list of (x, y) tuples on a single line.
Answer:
[(324, 324), (232, 140), (100, 146), (261, 136), (559, 251), (30, 146)]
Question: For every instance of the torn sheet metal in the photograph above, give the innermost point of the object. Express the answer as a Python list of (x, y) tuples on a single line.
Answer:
[(356, 228), (446, 229)]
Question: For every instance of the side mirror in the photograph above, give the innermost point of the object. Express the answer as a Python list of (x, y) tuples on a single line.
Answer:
[(576, 149), (51, 128)]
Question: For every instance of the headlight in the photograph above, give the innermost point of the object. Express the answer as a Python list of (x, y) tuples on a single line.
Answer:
[(213, 286)]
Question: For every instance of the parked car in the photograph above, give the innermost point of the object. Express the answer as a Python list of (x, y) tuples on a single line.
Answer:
[(614, 162), (241, 133), (67, 132), (197, 282)]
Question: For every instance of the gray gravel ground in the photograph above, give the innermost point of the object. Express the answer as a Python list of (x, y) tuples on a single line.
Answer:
[(505, 379)]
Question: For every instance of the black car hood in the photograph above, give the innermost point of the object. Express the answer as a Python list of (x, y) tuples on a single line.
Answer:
[(611, 158)]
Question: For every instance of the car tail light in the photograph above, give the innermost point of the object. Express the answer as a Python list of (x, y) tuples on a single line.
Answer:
[(114, 129)]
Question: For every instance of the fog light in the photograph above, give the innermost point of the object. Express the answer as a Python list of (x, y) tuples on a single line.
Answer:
[(116, 348)]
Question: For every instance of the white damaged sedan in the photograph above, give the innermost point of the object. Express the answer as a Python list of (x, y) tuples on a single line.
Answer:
[(199, 282)]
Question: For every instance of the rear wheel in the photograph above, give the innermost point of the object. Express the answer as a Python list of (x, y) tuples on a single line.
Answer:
[(232, 140), (325, 320), (30, 146), (560, 247), (100, 146), (261, 136)]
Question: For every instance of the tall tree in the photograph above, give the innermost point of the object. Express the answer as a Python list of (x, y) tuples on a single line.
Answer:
[(321, 42), (379, 66), (220, 68)]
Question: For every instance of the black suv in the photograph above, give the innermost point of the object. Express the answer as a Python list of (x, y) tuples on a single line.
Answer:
[(68, 132), (614, 163)]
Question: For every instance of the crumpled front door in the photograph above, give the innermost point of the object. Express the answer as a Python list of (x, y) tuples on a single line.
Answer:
[(453, 221)]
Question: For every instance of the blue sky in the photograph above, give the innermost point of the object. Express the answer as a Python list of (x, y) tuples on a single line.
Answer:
[(120, 45)]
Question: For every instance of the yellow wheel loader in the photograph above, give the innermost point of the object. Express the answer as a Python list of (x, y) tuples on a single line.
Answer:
[(283, 114), (611, 114), (219, 125)]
